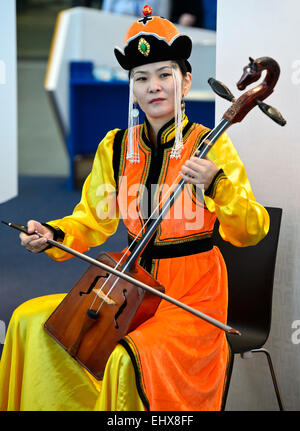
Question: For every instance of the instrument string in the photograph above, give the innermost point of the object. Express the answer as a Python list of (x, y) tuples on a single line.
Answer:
[(216, 132)]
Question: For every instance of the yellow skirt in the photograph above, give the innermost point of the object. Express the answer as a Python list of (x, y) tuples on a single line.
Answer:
[(36, 374)]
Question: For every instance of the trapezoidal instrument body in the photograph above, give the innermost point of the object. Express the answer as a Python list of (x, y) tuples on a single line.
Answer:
[(90, 337)]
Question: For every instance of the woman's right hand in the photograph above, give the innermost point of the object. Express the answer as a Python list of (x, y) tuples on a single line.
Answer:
[(33, 242)]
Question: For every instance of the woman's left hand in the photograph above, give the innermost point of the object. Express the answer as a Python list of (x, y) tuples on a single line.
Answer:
[(199, 171)]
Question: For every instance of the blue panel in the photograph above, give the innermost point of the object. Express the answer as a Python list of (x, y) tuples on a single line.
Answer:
[(202, 112)]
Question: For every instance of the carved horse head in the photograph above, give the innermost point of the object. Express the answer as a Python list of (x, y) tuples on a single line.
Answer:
[(254, 96), (252, 72)]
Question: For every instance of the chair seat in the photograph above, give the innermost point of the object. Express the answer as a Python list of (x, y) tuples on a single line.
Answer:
[(250, 339), (250, 287)]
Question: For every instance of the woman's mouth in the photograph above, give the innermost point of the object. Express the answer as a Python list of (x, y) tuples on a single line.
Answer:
[(157, 100)]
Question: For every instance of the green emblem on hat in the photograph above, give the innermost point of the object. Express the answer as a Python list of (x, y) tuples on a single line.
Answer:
[(144, 47)]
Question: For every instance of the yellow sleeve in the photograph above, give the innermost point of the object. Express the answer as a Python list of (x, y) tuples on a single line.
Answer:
[(243, 221), (96, 216)]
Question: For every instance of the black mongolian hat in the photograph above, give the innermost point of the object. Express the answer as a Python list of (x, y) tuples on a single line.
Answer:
[(151, 39)]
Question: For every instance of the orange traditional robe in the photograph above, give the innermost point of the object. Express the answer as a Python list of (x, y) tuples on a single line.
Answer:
[(180, 362)]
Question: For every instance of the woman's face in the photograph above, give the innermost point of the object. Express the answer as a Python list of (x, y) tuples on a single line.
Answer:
[(153, 89)]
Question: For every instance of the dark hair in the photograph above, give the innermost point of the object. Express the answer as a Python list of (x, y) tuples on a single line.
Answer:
[(182, 66)]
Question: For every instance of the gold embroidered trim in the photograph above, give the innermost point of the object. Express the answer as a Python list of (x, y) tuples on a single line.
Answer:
[(219, 178), (138, 361), (169, 134), (183, 239), (122, 158)]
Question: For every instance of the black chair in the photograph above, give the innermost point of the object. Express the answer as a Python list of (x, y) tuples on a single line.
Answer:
[(250, 285)]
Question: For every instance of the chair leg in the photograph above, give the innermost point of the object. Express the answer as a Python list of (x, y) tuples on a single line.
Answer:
[(276, 387)]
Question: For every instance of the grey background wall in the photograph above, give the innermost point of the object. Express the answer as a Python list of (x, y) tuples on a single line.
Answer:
[(271, 155), (8, 110)]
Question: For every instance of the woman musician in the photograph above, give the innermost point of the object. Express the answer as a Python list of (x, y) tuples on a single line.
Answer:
[(174, 360)]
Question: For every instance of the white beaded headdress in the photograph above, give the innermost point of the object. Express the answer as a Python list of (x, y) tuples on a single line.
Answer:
[(133, 120), (178, 144)]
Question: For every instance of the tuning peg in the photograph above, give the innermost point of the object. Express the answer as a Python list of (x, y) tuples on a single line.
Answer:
[(271, 112), (221, 90)]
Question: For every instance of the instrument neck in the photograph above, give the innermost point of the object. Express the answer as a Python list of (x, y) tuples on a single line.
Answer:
[(156, 218)]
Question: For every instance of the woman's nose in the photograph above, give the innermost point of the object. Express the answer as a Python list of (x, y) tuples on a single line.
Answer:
[(154, 86)]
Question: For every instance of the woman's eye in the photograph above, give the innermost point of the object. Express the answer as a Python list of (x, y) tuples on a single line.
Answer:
[(140, 78), (165, 75)]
